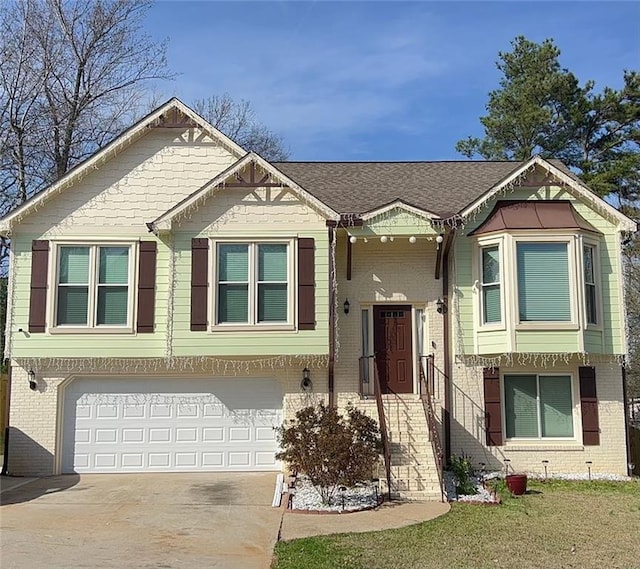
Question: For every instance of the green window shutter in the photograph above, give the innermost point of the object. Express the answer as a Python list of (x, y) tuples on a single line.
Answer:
[(272, 262), (521, 406), (74, 265), (543, 282), (556, 406), (73, 305), (233, 262), (272, 302), (233, 303)]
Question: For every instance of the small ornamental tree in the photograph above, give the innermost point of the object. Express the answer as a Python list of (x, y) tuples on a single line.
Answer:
[(330, 449)]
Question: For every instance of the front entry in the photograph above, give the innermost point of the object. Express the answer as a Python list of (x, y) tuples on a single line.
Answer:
[(393, 346)]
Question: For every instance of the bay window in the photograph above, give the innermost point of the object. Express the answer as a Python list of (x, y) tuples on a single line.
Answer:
[(93, 286), (538, 406), (253, 283)]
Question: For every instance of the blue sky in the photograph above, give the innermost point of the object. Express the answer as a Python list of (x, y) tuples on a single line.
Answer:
[(378, 80)]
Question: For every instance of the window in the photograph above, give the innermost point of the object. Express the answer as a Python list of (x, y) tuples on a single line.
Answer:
[(253, 283), (491, 306), (538, 406), (543, 282), (93, 286), (590, 284)]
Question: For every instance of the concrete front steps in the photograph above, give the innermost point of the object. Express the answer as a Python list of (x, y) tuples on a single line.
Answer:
[(414, 474)]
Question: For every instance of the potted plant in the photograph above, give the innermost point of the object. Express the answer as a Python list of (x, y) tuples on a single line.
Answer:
[(517, 483)]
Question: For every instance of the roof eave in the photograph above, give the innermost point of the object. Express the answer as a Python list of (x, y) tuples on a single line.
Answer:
[(623, 222)]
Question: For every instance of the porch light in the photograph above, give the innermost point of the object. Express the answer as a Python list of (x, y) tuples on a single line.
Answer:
[(33, 384), (439, 239), (306, 384), (384, 239), (346, 306), (353, 239), (412, 239), (441, 306)]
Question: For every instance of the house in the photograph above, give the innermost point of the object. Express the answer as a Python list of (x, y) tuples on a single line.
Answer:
[(174, 298)]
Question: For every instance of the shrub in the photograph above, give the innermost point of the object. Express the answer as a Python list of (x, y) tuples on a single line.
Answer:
[(330, 449), (462, 472)]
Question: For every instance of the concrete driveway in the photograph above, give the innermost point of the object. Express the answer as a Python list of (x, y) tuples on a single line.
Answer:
[(142, 521)]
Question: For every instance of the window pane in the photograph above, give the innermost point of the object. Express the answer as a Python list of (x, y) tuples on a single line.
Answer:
[(556, 406), (521, 406), (490, 265), (588, 265), (73, 302), (114, 265), (272, 303), (590, 297), (491, 300), (233, 303), (112, 305), (74, 265), (543, 282), (233, 262), (272, 262)]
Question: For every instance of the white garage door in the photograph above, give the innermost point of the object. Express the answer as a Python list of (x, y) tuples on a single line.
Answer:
[(178, 424)]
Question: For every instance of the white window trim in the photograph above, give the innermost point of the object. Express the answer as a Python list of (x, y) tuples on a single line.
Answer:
[(292, 288), (483, 243), (91, 327), (576, 411)]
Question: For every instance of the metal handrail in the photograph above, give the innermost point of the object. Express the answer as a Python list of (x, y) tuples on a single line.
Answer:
[(386, 450), (364, 364), (427, 383)]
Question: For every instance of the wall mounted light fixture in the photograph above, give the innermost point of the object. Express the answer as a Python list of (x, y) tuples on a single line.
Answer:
[(33, 384), (346, 306), (306, 383), (441, 306)]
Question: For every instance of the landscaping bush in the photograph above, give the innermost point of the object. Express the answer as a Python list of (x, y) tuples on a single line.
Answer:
[(330, 449), (462, 472)]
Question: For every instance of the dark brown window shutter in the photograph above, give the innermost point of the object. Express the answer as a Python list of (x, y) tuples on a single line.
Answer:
[(199, 283), (306, 284), (492, 406), (39, 277), (589, 406), (146, 286)]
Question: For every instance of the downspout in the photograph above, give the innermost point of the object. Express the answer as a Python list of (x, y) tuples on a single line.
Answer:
[(5, 461), (332, 316), (446, 411), (626, 417)]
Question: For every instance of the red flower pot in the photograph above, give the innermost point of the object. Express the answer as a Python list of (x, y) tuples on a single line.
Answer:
[(517, 484)]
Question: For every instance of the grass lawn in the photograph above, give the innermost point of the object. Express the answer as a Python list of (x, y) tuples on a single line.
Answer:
[(582, 525)]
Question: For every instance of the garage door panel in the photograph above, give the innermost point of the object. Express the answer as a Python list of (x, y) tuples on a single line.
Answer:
[(159, 425)]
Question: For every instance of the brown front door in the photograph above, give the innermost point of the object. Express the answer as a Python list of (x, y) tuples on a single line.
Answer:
[(392, 341)]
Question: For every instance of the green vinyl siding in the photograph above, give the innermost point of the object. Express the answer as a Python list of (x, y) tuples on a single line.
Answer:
[(543, 282)]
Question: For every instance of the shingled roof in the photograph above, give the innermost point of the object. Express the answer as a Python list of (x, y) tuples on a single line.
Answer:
[(442, 188)]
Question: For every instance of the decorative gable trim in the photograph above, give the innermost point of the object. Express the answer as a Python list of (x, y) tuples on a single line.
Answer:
[(232, 177), (173, 114), (578, 189), (400, 205)]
